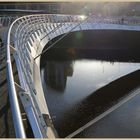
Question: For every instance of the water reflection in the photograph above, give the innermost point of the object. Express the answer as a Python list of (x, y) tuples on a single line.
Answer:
[(81, 83), (56, 74), (85, 85)]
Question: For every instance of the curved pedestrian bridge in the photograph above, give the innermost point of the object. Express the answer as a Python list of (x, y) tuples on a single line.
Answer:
[(27, 36)]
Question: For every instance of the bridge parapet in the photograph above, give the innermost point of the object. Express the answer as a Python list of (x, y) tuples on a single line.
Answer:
[(26, 39)]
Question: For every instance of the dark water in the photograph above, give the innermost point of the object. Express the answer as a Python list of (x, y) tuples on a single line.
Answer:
[(81, 83)]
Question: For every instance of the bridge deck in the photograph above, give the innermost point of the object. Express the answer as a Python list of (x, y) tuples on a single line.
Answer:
[(31, 33)]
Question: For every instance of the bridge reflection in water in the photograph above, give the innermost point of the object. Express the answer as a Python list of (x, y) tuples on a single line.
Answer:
[(56, 74), (79, 85)]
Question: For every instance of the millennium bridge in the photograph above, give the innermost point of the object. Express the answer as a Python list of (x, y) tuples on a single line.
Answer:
[(26, 38)]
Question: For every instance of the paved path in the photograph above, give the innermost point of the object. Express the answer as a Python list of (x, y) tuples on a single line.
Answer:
[(6, 126)]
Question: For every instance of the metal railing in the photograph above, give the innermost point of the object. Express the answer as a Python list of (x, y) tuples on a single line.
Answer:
[(7, 20), (26, 38), (18, 124)]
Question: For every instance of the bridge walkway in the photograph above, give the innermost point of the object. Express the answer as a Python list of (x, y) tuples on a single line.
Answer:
[(27, 36)]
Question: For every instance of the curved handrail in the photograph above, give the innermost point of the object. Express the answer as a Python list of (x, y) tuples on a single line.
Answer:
[(18, 124), (19, 128), (17, 119)]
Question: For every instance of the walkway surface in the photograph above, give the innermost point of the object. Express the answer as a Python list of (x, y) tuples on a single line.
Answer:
[(6, 126)]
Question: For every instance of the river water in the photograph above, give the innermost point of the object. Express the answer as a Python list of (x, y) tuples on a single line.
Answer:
[(81, 82)]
